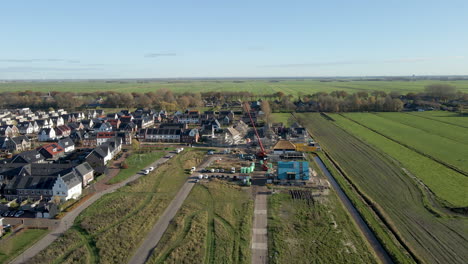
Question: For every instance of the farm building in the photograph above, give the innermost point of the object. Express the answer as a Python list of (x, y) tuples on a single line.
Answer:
[(293, 170)]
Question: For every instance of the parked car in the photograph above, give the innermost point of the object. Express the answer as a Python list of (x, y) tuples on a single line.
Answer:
[(12, 213), (146, 172), (19, 213), (151, 168), (6, 213), (221, 170)]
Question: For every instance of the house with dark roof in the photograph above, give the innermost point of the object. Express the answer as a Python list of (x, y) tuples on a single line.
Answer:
[(86, 172), (31, 156), (102, 127), (52, 151), (67, 144), (43, 123), (190, 136), (161, 134), (27, 127), (129, 127), (144, 122), (44, 181), (46, 134), (19, 143)]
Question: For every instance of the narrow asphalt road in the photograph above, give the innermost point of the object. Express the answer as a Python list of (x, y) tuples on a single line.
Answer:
[(146, 248), (259, 227), (67, 221), (368, 234)]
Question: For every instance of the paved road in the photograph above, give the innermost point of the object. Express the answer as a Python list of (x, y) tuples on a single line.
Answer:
[(368, 234), (66, 222), (259, 228), (152, 238)]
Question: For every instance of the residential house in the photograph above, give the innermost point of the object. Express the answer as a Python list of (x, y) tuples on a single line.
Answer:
[(30, 156), (19, 143), (126, 137), (62, 131), (161, 134), (144, 122), (89, 139), (57, 121), (68, 186), (129, 127), (26, 127), (9, 131), (102, 127), (46, 134), (187, 119), (52, 151), (43, 123), (190, 136), (115, 123), (86, 172), (67, 144), (103, 137)]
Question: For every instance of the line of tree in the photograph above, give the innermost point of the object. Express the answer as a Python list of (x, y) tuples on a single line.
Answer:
[(436, 96)]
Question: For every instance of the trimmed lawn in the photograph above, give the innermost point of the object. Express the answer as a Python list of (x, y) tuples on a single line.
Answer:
[(19, 242)]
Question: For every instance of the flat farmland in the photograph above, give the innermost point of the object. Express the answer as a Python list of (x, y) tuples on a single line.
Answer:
[(431, 237), (111, 229), (446, 184), (425, 136), (261, 86), (444, 117), (213, 226)]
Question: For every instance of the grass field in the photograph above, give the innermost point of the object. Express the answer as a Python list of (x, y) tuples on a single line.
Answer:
[(431, 237), (318, 233), (112, 228), (444, 117), (18, 243), (287, 86), (213, 226), (447, 184), (135, 162), (284, 118), (424, 136)]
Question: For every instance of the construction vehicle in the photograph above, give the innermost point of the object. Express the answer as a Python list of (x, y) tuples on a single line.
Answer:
[(261, 155)]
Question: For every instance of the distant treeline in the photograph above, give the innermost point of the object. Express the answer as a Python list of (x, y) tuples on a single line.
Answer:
[(435, 96)]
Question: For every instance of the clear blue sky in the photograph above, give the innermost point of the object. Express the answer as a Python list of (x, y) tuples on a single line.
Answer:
[(156, 39)]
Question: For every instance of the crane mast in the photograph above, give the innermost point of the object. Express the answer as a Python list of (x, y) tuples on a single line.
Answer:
[(262, 153)]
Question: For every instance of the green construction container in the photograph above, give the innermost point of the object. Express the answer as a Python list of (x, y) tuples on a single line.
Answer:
[(242, 169)]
